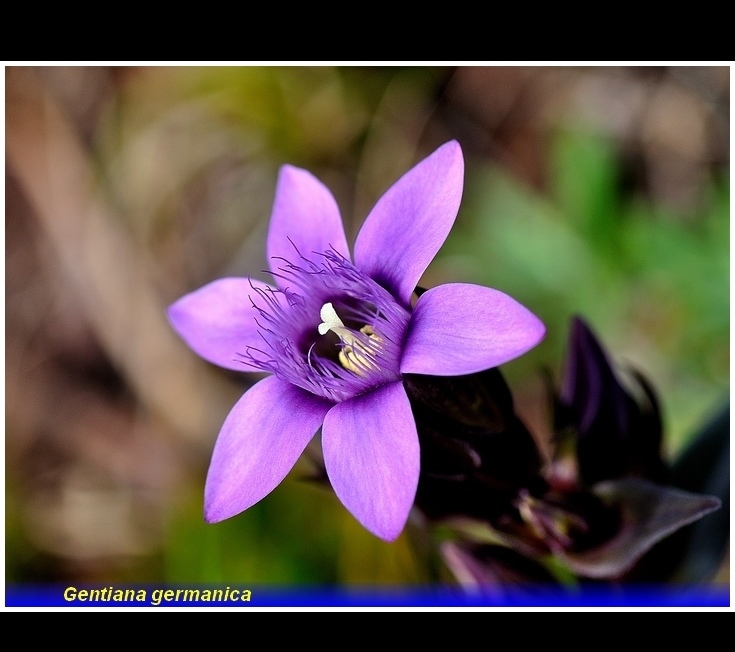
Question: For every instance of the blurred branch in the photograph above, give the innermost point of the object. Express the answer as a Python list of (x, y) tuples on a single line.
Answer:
[(111, 277)]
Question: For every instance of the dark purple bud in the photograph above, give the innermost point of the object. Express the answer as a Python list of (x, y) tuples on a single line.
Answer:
[(475, 452), (618, 432)]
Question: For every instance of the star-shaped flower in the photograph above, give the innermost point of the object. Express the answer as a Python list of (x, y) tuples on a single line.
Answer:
[(337, 331)]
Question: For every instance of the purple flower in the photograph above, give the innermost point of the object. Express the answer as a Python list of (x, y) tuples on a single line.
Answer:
[(337, 333)]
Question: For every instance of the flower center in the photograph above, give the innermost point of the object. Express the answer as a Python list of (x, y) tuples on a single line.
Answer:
[(355, 355), (355, 347)]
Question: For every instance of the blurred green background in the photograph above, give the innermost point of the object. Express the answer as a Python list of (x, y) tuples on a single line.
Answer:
[(599, 191)]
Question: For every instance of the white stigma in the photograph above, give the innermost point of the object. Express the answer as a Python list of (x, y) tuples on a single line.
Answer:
[(330, 320), (355, 355)]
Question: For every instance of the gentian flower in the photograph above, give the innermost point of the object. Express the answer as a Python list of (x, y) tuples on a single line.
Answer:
[(336, 333)]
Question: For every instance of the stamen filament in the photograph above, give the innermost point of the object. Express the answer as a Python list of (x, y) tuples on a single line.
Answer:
[(370, 328)]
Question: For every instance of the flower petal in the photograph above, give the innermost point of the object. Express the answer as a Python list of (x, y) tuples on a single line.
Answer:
[(371, 453), (648, 513), (410, 222), (305, 219), (217, 321), (260, 441), (459, 329)]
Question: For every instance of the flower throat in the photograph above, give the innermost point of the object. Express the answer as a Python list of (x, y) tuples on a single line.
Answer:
[(329, 328)]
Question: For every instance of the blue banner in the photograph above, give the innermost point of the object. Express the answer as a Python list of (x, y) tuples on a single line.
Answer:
[(225, 595)]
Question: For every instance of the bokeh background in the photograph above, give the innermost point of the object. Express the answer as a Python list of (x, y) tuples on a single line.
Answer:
[(599, 191)]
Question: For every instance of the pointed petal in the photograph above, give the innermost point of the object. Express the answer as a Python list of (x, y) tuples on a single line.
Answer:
[(260, 441), (371, 452), (305, 219), (410, 222), (459, 329), (217, 321), (648, 513)]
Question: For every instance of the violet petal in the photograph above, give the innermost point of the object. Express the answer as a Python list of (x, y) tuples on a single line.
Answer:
[(459, 329), (371, 453), (259, 443), (410, 222), (217, 321), (305, 220)]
